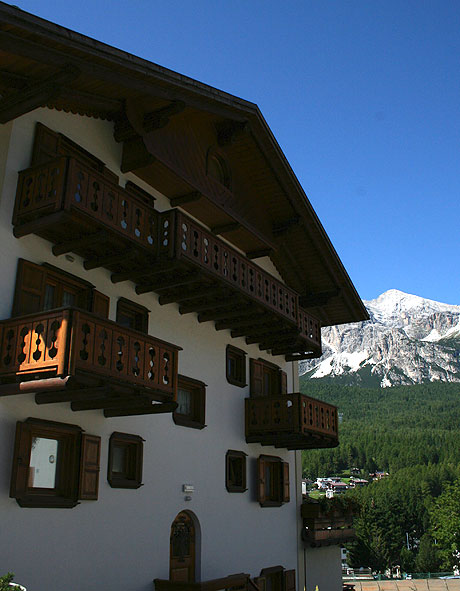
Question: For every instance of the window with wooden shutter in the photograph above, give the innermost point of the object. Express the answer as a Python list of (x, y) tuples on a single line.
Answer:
[(273, 481), (132, 315), (235, 366), (266, 379), (191, 403), (44, 287), (54, 464)]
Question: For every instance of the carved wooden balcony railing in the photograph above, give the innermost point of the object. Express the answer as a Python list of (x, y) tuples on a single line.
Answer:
[(326, 527), (239, 582), (293, 421), (72, 355), (85, 211)]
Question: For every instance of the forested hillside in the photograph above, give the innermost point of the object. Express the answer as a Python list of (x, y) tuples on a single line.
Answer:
[(413, 433)]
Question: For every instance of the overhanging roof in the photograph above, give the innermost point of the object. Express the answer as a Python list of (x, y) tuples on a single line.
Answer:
[(268, 211)]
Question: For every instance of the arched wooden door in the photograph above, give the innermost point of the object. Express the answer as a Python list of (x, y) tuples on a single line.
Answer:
[(182, 549)]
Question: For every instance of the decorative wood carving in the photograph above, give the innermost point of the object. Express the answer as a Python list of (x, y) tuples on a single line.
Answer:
[(36, 94)]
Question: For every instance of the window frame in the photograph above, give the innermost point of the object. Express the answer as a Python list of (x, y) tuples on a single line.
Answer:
[(139, 313), (266, 379), (237, 378), (133, 446), (229, 485), (277, 491), (197, 388), (30, 293), (77, 469)]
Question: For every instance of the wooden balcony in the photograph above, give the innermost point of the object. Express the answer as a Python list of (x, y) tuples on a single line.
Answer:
[(292, 421), (70, 355), (85, 211), (326, 527)]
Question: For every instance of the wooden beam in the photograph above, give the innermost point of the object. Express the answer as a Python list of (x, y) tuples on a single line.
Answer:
[(150, 269), (36, 94), (257, 254), (229, 131), (284, 225), (234, 312), (318, 299), (256, 336), (302, 356), (70, 394), (225, 228), (187, 198), (111, 402), (188, 296), (164, 284), (255, 320), (137, 123), (135, 155), (141, 410), (121, 257), (270, 342), (205, 306), (73, 245)]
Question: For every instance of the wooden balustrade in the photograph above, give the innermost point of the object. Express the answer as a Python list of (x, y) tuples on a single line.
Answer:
[(326, 525), (239, 582), (76, 343), (84, 210), (294, 421)]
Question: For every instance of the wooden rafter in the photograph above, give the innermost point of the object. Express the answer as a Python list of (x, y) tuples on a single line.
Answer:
[(74, 245), (34, 95), (188, 296), (141, 410), (168, 283), (187, 198), (225, 228)]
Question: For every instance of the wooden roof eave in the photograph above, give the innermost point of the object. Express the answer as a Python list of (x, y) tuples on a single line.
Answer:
[(140, 76)]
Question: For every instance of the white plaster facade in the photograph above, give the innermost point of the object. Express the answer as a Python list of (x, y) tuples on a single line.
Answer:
[(121, 541)]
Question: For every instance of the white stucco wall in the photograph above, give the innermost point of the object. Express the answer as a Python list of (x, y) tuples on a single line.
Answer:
[(323, 568), (121, 541)]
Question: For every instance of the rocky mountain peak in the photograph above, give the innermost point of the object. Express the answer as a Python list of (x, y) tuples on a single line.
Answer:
[(408, 340)]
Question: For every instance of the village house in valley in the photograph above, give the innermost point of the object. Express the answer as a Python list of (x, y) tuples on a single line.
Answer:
[(162, 274)]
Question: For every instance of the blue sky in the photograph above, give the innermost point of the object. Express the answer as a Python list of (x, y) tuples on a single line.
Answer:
[(363, 97)]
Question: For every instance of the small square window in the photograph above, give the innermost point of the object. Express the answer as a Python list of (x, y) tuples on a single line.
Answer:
[(131, 315), (191, 400), (236, 366), (124, 469), (235, 471)]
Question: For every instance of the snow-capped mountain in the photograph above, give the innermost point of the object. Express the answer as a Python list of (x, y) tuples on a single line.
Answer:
[(408, 340)]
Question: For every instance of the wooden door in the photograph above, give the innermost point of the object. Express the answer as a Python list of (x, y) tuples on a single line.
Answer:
[(182, 549)]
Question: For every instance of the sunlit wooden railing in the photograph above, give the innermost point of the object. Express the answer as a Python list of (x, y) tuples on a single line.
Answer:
[(67, 341)]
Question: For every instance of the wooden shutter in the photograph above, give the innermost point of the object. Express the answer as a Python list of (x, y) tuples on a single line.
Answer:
[(286, 495), (283, 382), (46, 145), (101, 304), (261, 490), (289, 580), (256, 371), (89, 467), (30, 288), (21, 461)]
